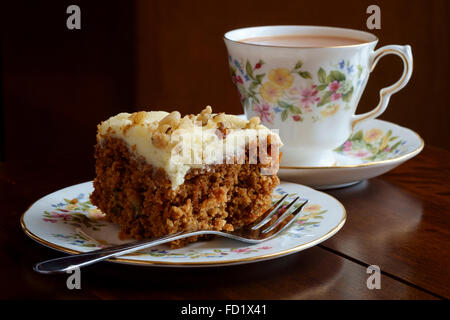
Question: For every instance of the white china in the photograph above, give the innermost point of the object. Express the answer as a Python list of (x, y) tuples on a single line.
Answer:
[(374, 148)]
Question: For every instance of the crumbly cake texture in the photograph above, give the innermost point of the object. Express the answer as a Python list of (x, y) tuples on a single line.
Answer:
[(139, 196)]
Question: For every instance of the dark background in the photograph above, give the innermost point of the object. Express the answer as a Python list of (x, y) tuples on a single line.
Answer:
[(58, 84)]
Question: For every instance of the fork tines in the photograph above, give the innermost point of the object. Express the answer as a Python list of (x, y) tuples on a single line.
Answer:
[(266, 216), (282, 222), (286, 218)]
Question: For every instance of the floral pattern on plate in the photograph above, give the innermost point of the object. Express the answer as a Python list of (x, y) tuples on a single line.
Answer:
[(68, 222), (79, 213), (372, 145), (76, 212)]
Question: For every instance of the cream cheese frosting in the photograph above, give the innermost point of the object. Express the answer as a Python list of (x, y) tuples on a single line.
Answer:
[(175, 144)]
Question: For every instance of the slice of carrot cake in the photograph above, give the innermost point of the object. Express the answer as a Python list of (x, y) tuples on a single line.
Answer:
[(159, 173)]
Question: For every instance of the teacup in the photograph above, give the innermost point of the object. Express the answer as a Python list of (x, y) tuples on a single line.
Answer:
[(308, 91)]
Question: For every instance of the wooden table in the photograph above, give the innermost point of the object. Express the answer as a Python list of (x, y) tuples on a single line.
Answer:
[(399, 221)]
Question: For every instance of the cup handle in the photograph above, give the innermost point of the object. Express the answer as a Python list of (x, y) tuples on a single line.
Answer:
[(404, 52)]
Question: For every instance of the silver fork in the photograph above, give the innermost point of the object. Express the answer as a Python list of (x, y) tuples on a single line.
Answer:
[(266, 227)]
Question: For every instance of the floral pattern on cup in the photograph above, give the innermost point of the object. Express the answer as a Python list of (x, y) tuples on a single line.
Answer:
[(272, 92), (371, 145)]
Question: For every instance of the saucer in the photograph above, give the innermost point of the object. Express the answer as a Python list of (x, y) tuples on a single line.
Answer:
[(374, 148)]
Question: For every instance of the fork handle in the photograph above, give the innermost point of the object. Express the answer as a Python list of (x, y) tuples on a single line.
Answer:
[(64, 264)]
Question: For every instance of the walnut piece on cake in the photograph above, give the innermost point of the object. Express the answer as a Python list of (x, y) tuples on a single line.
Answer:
[(159, 173)]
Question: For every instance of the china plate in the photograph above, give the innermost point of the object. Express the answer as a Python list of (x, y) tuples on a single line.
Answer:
[(374, 148), (65, 220)]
